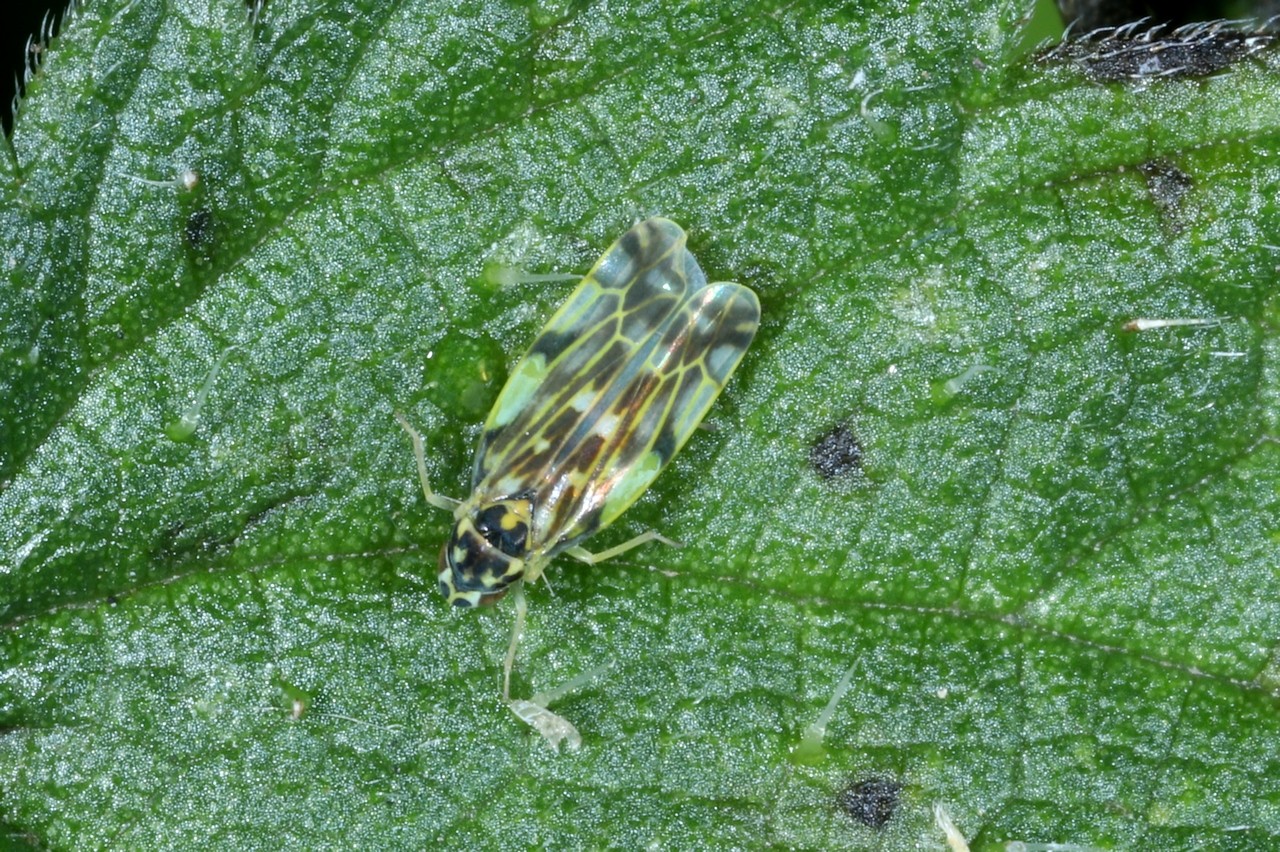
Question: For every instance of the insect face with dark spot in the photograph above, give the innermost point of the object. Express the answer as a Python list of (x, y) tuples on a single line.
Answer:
[(484, 556)]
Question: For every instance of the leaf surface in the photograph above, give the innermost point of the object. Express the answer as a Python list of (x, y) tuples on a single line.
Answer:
[(1048, 546)]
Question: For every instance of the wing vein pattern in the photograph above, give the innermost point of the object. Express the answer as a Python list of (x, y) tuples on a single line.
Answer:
[(614, 385)]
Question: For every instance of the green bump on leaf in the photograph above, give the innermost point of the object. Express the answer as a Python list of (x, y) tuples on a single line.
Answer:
[(1057, 573), (469, 390)]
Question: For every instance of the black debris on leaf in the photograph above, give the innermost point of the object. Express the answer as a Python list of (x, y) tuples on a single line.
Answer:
[(872, 801), (199, 228), (837, 453), (199, 232), (1141, 52), (1167, 184)]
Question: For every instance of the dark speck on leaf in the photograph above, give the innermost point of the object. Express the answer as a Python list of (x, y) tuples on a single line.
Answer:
[(837, 453), (1167, 184), (872, 801), (200, 229)]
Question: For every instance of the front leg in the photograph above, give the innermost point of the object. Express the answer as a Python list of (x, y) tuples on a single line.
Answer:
[(419, 453)]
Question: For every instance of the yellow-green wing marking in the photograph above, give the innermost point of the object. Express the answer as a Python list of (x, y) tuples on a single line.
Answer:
[(614, 385)]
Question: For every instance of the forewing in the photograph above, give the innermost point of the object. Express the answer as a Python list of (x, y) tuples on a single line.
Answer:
[(582, 354), (614, 385), (667, 396)]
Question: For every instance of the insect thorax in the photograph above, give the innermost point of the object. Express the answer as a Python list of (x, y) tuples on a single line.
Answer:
[(486, 553)]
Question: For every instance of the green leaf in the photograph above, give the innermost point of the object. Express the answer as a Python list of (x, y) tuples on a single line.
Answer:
[(1046, 546)]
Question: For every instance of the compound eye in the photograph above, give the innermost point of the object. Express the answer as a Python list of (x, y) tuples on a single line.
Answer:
[(489, 531), (502, 529)]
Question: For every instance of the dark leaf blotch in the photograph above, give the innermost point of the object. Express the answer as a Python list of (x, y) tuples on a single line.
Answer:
[(1167, 184), (200, 229), (837, 453), (872, 801)]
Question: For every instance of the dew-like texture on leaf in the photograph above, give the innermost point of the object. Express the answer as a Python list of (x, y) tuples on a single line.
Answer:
[(217, 569)]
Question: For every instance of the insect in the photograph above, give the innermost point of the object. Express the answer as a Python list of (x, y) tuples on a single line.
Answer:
[(613, 386)]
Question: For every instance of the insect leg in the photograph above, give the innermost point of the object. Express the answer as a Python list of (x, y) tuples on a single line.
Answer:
[(584, 555), (553, 727), (437, 500), (517, 630)]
